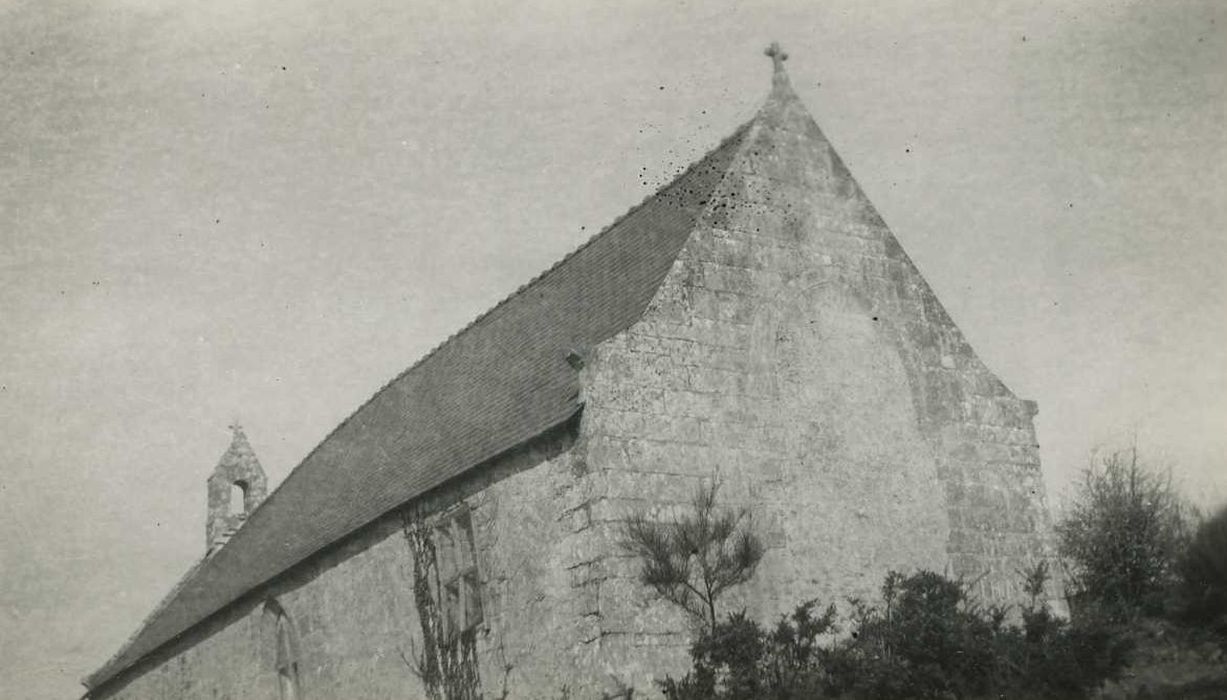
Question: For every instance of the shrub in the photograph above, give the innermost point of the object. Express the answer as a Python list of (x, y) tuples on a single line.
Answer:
[(1203, 571), (1123, 537), (925, 639), (1050, 658), (738, 660)]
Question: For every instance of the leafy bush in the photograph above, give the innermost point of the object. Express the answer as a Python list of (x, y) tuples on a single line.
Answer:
[(739, 660), (1203, 571), (1123, 536), (1050, 658), (925, 639)]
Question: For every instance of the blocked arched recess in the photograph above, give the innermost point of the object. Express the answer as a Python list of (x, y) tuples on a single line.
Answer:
[(851, 466)]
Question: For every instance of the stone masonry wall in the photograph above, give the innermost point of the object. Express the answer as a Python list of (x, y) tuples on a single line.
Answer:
[(354, 611), (224, 663)]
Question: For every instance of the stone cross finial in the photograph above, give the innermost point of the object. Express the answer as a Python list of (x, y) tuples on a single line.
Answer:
[(778, 56)]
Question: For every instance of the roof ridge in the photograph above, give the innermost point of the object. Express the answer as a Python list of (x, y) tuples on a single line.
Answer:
[(713, 162), (505, 300)]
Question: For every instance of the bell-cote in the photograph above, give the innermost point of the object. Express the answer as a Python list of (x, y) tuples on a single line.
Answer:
[(236, 487)]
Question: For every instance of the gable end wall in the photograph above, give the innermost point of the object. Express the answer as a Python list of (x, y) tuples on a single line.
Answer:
[(795, 353)]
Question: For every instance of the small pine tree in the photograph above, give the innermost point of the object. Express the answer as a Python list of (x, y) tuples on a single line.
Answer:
[(693, 560)]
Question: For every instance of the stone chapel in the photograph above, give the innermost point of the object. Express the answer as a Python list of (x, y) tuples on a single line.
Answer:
[(457, 536)]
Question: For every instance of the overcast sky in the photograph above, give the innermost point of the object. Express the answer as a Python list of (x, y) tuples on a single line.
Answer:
[(211, 212)]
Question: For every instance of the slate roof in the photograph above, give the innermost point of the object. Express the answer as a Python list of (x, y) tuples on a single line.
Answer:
[(500, 381)]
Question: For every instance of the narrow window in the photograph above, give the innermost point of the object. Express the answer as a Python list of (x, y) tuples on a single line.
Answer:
[(285, 651), (445, 552), (459, 592), (466, 574), (287, 663), (472, 599), (453, 623)]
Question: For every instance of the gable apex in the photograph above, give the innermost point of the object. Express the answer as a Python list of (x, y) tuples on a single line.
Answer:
[(239, 457)]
